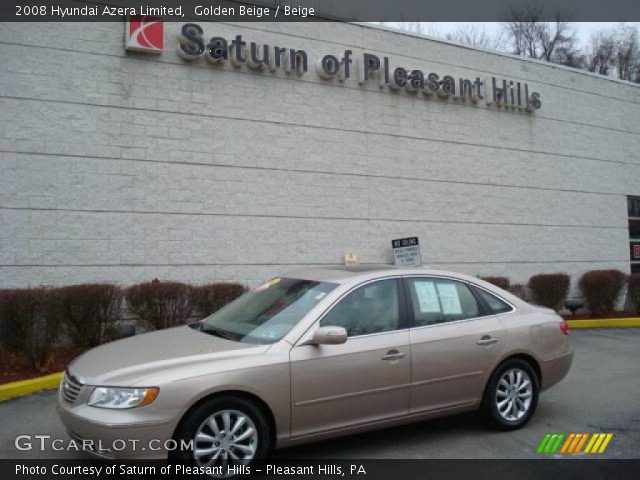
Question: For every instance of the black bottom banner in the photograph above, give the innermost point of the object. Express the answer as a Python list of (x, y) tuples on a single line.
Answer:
[(574, 468)]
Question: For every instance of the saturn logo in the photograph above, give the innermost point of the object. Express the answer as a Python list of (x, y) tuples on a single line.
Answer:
[(144, 34)]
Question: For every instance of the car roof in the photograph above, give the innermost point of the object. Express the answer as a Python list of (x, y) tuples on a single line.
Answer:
[(348, 274), (351, 276)]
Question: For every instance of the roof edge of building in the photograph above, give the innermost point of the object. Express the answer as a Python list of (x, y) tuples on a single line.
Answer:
[(498, 53)]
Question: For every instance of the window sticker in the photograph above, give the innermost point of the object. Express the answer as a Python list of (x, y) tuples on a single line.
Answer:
[(266, 285), (427, 297), (449, 298)]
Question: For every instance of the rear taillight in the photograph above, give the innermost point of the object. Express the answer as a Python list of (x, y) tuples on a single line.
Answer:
[(564, 328)]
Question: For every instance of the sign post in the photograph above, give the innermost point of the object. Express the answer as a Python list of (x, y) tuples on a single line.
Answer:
[(406, 252)]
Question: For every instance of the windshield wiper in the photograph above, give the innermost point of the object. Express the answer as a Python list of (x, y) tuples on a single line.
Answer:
[(219, 333)]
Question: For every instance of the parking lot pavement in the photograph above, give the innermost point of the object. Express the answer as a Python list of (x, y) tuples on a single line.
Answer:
[(600, 394)]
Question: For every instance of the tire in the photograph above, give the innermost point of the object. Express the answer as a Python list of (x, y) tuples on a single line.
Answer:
[(252, 433), (509, 401)]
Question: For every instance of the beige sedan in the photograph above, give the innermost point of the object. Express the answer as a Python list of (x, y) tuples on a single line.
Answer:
[(312, 355)]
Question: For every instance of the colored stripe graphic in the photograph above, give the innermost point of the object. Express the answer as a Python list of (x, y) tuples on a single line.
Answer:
[(567, 443), (572, 443), (604, 445), (543, 443), (582, 442)]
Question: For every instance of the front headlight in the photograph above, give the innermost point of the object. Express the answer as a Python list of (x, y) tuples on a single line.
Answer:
[(111, 397)]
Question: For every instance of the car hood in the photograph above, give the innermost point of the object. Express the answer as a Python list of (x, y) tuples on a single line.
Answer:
[(129, 361)]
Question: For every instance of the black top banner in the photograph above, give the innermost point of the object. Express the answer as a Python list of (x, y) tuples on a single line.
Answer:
[(316, 10)]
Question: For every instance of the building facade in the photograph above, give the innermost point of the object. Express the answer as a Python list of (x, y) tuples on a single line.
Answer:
[(198, 165)]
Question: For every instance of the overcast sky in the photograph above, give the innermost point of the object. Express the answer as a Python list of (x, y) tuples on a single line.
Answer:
[(584, 30)]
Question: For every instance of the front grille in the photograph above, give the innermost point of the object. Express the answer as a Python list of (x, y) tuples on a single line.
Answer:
[(70, 388)]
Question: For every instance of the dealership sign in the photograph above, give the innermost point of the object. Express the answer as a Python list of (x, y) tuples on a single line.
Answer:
[(366, 68), (144, 34)]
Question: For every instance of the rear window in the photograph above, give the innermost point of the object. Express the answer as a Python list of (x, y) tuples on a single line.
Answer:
[(494, 303)]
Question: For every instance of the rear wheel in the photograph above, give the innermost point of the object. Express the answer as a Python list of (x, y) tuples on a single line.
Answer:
[(511, 396), (224, 432)]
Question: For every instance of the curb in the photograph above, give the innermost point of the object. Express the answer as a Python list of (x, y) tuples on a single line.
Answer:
[(26, 387), (604, 323)]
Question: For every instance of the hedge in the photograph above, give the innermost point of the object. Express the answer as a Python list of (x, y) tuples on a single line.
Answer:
[(212, 297), (500, 282), (549, 289), (30, 323), (34, 320), (90, 312), (601, 288), (161, 304)]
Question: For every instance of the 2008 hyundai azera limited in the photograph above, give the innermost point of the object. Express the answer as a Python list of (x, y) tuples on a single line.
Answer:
[(316, 354)]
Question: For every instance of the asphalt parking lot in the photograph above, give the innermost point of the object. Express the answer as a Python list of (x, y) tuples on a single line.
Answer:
[(600, 394)]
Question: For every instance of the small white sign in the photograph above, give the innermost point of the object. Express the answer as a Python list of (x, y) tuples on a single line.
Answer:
[(350, 259), (406, 252), (449, 299), (427, 296)]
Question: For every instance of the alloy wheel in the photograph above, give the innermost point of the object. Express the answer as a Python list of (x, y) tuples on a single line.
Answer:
[(224, 438), (514, 394)]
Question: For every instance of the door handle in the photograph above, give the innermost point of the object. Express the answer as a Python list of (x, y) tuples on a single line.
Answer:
[(487, 340), (393, 355)]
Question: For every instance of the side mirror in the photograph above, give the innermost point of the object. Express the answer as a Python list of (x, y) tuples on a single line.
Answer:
[(329, 336)]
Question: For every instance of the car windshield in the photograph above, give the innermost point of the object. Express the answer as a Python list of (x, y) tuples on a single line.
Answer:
[(267, 313)]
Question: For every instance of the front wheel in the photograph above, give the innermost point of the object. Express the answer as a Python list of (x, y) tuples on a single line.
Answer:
[(224, 432), (511, 396)]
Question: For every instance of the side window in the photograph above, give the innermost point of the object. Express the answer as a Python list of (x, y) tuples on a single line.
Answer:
[(438, 300), (494, 303), (372, 308)]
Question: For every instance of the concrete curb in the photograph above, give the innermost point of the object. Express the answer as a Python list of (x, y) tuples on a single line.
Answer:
[(605, 323), (26, 387)]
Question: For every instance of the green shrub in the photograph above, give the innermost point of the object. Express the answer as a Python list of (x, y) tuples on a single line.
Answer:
[(90, 312), (161, 304), (600, 289), (519, 290), (633, 290), (500, 282), (212, 297), (30, 323), (549, 289)]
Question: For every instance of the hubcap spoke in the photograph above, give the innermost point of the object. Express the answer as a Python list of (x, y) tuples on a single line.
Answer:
[(244, 435), (226, 421), (244, 449), (203, 437), (213, 425), (201, 452), (239, 422)]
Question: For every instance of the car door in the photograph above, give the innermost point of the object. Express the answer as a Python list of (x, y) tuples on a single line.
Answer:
[(363, 380), (454, 343)]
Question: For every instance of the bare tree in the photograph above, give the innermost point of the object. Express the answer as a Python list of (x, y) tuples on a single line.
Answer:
[(602, 54), (476, 35), (627, 52), (531, 36)]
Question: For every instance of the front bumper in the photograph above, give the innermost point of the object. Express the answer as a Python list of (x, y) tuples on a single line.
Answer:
[(132, 434)]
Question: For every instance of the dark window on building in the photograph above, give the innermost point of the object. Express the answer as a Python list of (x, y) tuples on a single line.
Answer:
[(633, 205), (634, 229)]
